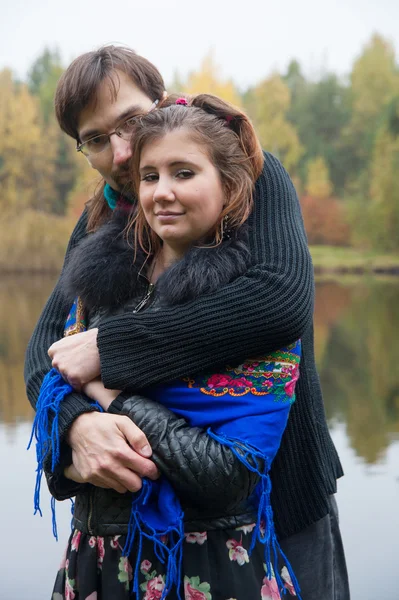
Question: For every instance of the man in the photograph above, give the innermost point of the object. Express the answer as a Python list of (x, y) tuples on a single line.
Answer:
[(269, 307)]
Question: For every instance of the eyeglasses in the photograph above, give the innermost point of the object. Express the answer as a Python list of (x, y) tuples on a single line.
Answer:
[(101, 142)]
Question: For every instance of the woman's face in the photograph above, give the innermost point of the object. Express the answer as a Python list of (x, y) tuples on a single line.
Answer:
[(180, 190)]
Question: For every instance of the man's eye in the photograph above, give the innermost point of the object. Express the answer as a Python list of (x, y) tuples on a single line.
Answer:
[(184, 174), (100, 140), (129, 124)]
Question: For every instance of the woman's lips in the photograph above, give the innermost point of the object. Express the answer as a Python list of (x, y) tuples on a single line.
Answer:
[(168, 216)]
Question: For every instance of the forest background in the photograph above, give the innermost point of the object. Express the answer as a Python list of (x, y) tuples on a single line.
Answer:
[(338, 137)]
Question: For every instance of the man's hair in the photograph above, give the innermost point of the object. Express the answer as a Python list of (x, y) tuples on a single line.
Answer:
[(78, 86), (230, 141)]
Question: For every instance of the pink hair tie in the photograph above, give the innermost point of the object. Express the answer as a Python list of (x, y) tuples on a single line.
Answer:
[(229, 119), (181, 101)]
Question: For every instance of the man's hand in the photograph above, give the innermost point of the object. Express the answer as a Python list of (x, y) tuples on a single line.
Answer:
[(71, 473), (110, 451), (77, 358), (96, 391)]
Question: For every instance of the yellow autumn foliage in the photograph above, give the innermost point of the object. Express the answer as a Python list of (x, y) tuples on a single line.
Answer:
[(374, 79), (33, 241), (27, 172), (207, 80), (318, 184), (272, 100)]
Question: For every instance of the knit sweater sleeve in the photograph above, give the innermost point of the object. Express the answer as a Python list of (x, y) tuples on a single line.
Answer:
[(263, 310), (49, 329)]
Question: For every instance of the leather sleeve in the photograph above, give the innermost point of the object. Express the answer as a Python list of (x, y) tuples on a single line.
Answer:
[(62, 488), (202, 471)]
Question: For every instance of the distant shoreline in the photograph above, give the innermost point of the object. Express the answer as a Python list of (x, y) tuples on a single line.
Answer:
[(359, 270), (340, 261), (327, 260)]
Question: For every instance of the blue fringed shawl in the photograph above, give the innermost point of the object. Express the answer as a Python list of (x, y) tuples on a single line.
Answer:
[(245, 408)]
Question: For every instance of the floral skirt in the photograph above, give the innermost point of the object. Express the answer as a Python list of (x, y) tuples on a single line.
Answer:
[(216, 566)]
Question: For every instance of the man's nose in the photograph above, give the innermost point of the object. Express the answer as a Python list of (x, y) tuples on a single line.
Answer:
[(121, 150), (163, 190)]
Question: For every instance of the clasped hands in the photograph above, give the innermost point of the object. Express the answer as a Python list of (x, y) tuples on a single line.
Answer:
[(108, 450)]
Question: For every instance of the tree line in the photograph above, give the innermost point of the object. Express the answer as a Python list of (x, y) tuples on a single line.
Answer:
[(338, 138)]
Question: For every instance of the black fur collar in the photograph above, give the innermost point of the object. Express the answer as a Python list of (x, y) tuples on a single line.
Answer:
[(102, 272), (204, 270)]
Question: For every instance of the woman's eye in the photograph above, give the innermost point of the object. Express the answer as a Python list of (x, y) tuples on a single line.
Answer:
[(184, 174), (150, 177)]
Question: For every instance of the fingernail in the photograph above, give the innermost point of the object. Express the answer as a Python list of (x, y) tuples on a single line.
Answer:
[(146, 450)]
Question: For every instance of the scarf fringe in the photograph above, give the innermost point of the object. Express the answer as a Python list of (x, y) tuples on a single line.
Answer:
[(53, 391), (256, 462), (169, 550)]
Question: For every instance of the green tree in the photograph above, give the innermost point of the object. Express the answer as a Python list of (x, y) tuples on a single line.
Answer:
[(383, 206), (296, 81), (374, 83), (320, 111), (374, 130), (374, 80), (42, 80)]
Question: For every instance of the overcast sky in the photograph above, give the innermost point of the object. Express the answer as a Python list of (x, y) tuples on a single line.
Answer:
[(250, 38)]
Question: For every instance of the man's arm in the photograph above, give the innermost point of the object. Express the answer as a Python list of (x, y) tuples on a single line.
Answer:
[(99, 443), (261, 311), (48, 330)]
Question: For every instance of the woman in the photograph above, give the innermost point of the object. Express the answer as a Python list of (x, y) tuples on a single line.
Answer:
[(205, 529)]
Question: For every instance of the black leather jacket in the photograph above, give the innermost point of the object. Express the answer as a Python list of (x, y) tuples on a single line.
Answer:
[(212, 484)]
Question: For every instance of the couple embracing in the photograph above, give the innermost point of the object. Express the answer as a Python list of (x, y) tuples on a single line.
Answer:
[(173, 363)]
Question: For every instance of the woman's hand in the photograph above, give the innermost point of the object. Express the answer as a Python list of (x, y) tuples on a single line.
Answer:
[(96, 391)]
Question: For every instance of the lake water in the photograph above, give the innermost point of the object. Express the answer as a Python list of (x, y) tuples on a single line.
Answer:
[(357, 349)]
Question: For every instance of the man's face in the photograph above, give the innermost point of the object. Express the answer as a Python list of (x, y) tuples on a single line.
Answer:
[(103, 116)]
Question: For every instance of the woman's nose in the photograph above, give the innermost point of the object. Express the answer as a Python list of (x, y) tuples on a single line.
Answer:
[(163, 191), (121, 150)]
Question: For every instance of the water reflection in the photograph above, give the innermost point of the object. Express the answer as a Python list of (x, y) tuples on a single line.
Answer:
[(357, 332), (21, 301), (357, 348)]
